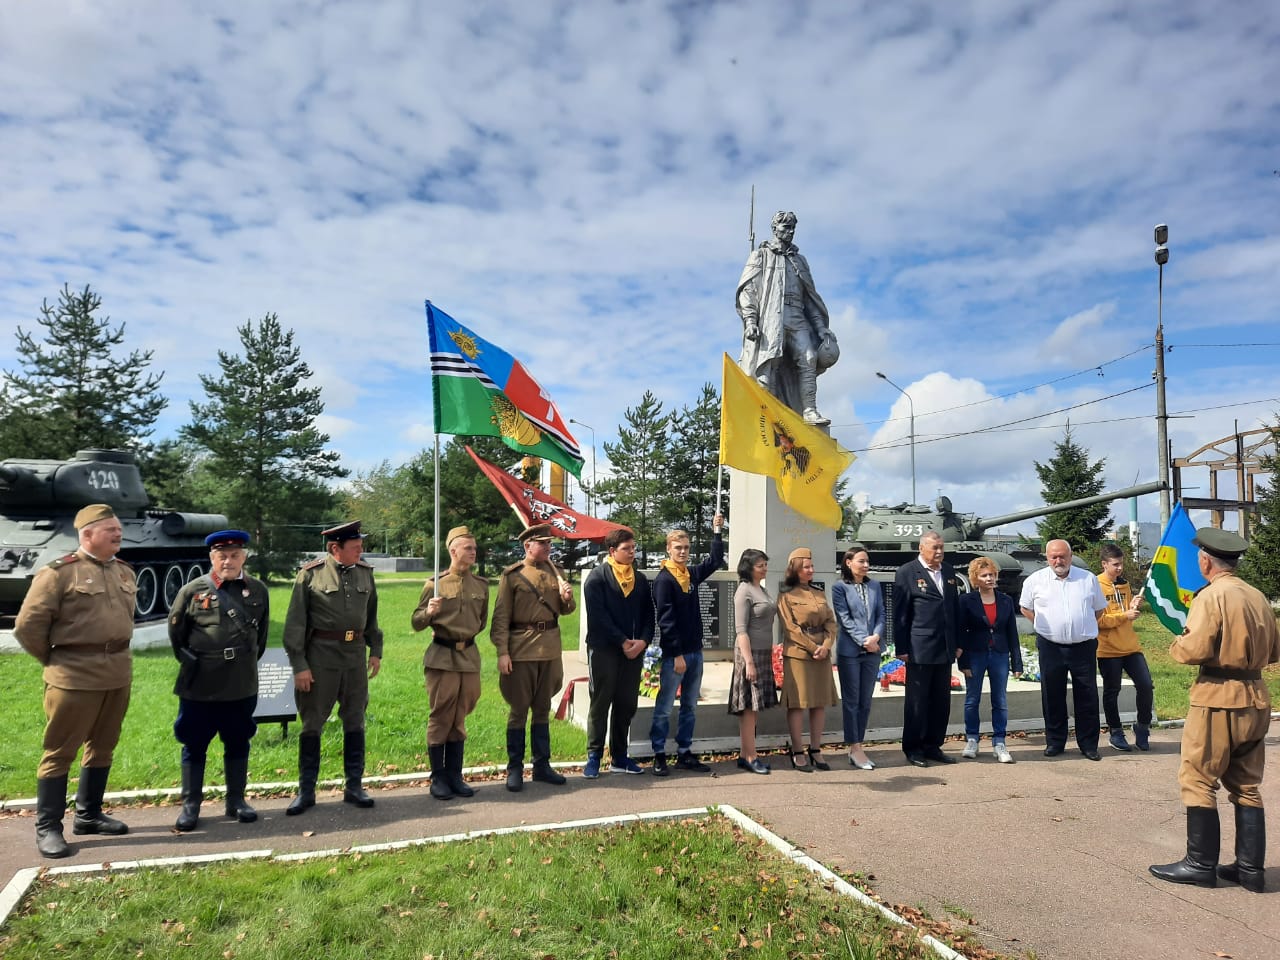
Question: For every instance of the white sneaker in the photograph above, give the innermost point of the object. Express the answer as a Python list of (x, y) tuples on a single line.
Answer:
[(970, 749), (1002, 753)]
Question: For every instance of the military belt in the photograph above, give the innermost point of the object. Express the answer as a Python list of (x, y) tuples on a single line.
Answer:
[(538, 625), (115, 647), (1230, 673), (813, 630), (347, 636), (452, 644)]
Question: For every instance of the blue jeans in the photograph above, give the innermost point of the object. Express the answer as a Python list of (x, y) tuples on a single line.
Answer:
[(995, 665), (690, 684)]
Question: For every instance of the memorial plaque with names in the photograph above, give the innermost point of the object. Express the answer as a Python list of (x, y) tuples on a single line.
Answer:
[(275, 690)]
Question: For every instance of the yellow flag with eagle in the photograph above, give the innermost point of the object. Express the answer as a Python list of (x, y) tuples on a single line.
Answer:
[(760, 434)]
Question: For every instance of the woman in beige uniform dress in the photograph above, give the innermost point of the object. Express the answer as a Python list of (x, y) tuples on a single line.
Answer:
[(808, 634)]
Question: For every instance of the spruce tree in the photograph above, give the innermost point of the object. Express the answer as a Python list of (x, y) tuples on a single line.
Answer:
[(1069, 476), (1260, 565), (637, 490), (693, 463), (259, 429), (73, 391)]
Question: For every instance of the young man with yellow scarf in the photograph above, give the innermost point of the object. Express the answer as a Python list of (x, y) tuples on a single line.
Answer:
[(675, 593), (619, 629)]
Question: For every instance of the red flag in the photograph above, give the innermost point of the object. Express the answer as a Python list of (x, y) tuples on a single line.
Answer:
[(534, 506)]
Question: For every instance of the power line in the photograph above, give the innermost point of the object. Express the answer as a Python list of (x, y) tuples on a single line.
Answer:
[(1014, 393), (1010, 423), (1086, 423)]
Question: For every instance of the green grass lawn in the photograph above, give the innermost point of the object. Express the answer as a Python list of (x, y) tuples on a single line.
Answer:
[(148, 755), (662, 890)]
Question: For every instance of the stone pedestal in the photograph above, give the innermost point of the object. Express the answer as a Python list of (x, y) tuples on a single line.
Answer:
[(757, 518)]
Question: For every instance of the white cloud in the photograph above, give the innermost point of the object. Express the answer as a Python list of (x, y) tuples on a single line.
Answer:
[(572, 182)]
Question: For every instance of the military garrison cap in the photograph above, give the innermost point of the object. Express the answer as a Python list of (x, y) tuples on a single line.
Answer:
[(539, 531), (226, 538), (800, 553), (343, 532), (455, 533), (1222, 544), (92, 514)]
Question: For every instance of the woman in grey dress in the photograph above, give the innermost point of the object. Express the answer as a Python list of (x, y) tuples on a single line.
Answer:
[(752, 687)]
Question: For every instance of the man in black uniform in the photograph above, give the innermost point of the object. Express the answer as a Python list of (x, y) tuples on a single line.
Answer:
[(332, 620), (218, 627)]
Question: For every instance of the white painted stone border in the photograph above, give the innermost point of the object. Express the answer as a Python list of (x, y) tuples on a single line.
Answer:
[(840, 885), (16, 889)]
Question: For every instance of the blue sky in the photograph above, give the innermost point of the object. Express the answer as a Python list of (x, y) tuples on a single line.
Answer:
[(976, 186)]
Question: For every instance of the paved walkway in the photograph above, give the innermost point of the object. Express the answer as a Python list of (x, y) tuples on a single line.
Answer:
[(1048, 856)]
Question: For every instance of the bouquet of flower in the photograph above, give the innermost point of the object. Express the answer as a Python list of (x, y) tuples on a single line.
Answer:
[(651, 673)]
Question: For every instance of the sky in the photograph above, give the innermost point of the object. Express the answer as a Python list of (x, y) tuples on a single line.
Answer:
[(976, 186)]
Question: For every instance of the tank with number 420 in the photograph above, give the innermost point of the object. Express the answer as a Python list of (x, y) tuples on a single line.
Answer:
[(38, 503)]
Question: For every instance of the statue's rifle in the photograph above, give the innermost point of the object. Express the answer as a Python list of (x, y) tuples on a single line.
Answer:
[(751, 220)]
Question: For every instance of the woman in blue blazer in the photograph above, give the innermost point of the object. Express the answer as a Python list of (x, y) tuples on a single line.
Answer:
[(859, 608), (987, 644)]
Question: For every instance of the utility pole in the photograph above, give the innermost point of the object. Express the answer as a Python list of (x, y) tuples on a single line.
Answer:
[(1162, 414)]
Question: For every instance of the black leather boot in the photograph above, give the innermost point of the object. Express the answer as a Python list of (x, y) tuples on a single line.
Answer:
[(441, 788), (453, 768), (1251, 850), (308, 773), (353, 767), (192, 796), (51, 804), (89, 816), (515, 759), (237, 772), (1200, 865), (543, 772)]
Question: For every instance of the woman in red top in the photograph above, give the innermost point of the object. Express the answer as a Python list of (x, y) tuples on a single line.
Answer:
[(987, 645)]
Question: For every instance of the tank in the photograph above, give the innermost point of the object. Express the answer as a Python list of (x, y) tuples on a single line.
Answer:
[(891, 535), (38, 503)]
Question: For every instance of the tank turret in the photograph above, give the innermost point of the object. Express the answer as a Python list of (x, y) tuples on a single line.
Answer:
[(38, 503), (891, 534)]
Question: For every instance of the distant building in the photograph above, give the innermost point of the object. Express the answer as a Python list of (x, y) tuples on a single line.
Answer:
[(1146, 538)]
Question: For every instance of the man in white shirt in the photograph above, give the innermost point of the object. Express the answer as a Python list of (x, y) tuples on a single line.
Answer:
[(1063, 604)]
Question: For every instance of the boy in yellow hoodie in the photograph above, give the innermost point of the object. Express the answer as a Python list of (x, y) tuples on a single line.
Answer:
[(1119, 652)]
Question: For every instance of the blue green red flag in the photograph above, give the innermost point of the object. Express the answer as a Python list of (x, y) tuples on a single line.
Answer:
[(478, 389), (1175, 572)]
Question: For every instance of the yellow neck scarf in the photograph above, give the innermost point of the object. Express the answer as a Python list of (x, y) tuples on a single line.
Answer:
[(680, 572), (625, 574)]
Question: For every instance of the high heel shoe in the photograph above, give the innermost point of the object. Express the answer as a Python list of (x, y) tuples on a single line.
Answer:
[(804, 766), (815, 758), (862, 765)]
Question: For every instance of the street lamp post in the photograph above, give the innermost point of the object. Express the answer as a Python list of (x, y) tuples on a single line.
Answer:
[(1162, 416), (591, 494), (912, 408)]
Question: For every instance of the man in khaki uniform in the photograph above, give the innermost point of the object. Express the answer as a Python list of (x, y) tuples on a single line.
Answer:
[(456, 614), (1231, 634), (77, 620), (532, 596), (332, 621)]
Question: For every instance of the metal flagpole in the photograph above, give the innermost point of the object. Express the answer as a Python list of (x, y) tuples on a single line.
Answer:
[(436, 524)]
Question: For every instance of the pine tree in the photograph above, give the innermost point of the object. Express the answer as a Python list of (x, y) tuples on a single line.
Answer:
[(73, 392), (1068, 476), (637, 489), (1260, 565), (692, 466), (259, 430)]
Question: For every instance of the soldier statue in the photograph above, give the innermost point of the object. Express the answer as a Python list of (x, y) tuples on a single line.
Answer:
[(787, 339)]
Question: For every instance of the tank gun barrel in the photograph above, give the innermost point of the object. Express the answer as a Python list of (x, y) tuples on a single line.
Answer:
[(11, 474), (981, 525)]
